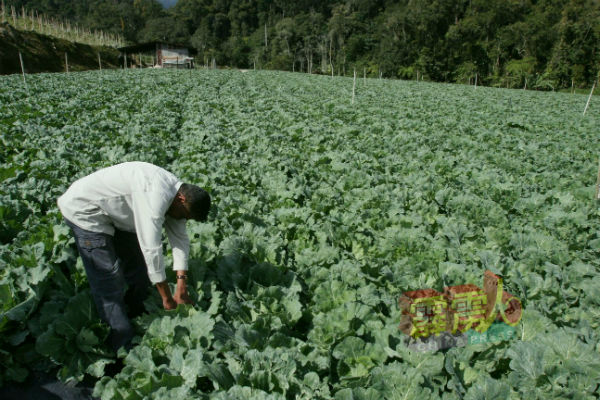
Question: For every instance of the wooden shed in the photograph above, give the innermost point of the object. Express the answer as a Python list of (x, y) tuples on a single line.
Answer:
[(157, 55)]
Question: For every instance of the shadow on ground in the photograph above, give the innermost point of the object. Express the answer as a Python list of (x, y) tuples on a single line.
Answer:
[(42, 386)]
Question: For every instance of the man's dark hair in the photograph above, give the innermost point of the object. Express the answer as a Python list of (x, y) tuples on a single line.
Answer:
[(198, 200)]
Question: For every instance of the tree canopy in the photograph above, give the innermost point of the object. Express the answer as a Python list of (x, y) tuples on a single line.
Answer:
[(510, 43)]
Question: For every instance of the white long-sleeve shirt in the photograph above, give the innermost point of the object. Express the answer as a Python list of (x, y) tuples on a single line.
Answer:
[(132, 197)]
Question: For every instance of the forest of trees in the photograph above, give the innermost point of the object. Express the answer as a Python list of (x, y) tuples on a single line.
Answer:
[(542, 44)]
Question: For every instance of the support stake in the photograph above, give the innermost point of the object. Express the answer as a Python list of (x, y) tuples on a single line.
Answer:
[(598, 183), (22, 68), (589, 98), (354, 86), (572, 85)]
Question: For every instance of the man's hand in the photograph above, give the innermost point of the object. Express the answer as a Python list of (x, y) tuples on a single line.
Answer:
[(181, 294), (170, 303), (182, 298)]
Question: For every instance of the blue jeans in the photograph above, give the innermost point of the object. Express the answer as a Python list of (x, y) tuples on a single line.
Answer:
[(116, 270)]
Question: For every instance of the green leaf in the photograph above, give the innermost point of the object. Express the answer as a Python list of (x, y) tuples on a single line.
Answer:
[(527, 360), (96, 369), (220, 375), (193, 367), (140, 358), (49, 344), (87, 340), (486, 388), (355, 358), (532, 325)]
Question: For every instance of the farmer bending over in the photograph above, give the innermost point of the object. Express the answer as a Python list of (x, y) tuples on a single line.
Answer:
[(117, 215)]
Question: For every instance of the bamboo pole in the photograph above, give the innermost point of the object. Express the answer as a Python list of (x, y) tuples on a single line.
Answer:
[(476, 75), (589, 98), (365, 76), (598, 183), (99, 62), (572, 85), (22, 68), (66, 62), (354, 86)]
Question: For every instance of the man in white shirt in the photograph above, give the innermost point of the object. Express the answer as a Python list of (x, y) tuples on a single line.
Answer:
[(117, 215)]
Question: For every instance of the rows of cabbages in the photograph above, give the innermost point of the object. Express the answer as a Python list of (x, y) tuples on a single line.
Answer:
[(325, 212)]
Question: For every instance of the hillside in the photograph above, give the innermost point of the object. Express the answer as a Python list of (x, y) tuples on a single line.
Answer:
[(540, 44), (43, 53)]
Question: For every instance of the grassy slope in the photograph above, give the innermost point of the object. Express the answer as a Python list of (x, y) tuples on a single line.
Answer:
[(43, 53)]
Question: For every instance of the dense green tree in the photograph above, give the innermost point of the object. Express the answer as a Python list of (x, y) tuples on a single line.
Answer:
[(167, 29), (547, 43), (577, 52), (148, 9)]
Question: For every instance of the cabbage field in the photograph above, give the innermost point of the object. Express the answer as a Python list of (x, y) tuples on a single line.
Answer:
[(325, 213)]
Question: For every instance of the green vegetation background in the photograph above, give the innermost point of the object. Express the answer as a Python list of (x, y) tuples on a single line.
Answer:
[(325, 212), (541, 44)]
